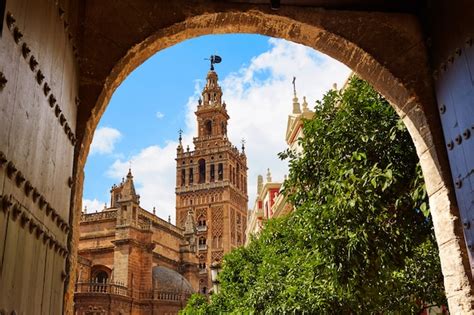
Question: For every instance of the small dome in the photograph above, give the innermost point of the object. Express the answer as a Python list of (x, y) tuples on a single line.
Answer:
[(165, 279)]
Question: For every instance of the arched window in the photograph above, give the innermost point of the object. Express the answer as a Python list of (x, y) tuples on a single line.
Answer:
[(191, 176), (223, 128), (101, 277), (202, 241), (220, 171), (100, 274), (183, 177), (212, 172), (202, 221), (208, 127), (202, 171)]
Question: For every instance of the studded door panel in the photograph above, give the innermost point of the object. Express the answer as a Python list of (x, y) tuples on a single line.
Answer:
[(455, 94)]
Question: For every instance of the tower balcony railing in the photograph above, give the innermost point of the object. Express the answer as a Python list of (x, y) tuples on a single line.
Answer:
[(202, 247), (101, 288), (203, 271), (119, 289), (201, 228)]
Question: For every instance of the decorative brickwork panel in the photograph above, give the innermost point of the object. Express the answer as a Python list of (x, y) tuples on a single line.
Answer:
[(181, 218), (217, 255), (232, 225), (217, 221), (201, 212)]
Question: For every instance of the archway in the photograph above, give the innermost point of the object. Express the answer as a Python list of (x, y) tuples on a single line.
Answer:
[(409, 91), (50, 50)]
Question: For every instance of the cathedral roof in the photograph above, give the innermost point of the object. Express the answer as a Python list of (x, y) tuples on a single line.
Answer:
[(165, 279)]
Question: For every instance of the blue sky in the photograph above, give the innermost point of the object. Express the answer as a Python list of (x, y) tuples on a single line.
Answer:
[(146, 111)]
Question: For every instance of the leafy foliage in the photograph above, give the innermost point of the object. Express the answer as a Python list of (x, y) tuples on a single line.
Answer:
[(360, 240)]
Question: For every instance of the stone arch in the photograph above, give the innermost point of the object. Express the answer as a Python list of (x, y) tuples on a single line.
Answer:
[(404, 80), (100, 274), (202, 171), (208, 127)]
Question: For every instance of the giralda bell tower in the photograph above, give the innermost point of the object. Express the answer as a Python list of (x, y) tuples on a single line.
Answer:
[(211, 181)]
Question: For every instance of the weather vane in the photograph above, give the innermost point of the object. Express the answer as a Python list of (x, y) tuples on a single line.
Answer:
[(180, 132), (214, 59), (243, 144)]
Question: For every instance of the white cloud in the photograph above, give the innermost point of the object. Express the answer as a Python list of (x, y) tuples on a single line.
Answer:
[(104, 140), (259, 99), (259, 108), (154, 176), (92, 205), (159, 115)]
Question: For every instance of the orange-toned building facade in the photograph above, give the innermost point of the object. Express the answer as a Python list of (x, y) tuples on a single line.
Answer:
[(133, 262), (211, 183)]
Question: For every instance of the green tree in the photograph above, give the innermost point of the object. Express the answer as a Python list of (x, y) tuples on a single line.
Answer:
[(361, 238), (197, 305)]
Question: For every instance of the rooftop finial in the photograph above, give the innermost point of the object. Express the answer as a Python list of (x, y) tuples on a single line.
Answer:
[(305, 104), (180, 131), (294, 86), (129, 175), (243, 145), (269, 176), (296, 104), (214, 59)]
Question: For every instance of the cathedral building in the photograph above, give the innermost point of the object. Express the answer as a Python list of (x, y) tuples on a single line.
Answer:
[(211, 183), (133, 262)]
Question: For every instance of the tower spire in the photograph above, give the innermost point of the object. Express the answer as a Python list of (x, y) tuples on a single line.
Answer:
[(212, 92), (129, 175), (296, 104), (180, 144), (269, 176), (294, 87)]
